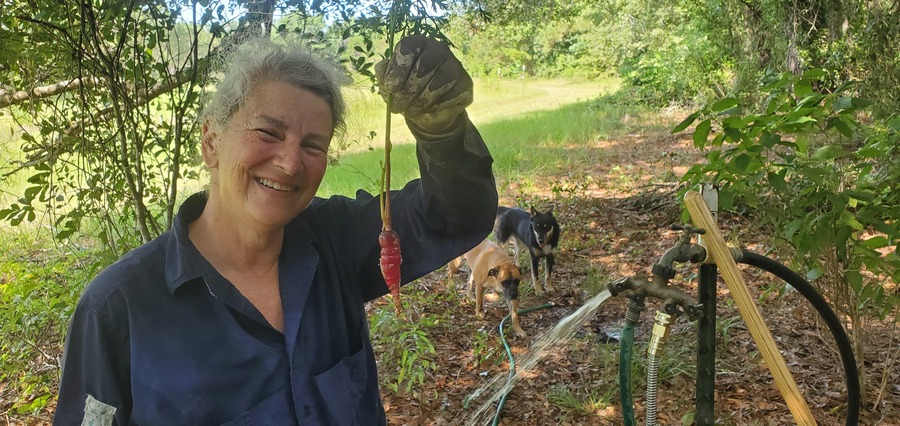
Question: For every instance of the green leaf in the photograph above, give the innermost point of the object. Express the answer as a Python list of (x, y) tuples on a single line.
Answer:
[(894, 124), (735, 122), (768, 139), (802, 88), (840, 125), (723, 104), (734, 134), (813, 274), (686, 122), (726, 199), (876, 242), (813, 74), (854, 280), (742, 162), (810, 100), (701, 133), (777, 181), (849, 219), (828, 152), (800, 120), (847, 102), (688, 418)]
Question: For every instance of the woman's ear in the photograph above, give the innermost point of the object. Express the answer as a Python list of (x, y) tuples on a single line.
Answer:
[(209, 143)]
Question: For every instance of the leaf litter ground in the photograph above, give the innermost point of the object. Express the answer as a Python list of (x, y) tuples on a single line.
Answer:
[(618, 224)]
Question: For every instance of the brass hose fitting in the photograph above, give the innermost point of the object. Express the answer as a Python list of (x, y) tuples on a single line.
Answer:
[(660, 333)]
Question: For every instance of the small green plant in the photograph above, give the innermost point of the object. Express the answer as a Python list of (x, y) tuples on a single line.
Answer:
[(485, 349), (724, 326), (678, 359), (595, 282), (404, 348), (406, 354), (581, 401)]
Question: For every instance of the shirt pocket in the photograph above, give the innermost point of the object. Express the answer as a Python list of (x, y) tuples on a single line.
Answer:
[(275, 409), (343, 389)]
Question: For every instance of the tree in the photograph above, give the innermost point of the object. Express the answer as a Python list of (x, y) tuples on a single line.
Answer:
[(106, 94)]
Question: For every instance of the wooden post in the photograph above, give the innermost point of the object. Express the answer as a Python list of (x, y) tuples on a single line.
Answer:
[(715, 245)]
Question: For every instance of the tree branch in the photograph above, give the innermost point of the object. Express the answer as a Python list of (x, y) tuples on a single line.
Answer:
[(9, 98)]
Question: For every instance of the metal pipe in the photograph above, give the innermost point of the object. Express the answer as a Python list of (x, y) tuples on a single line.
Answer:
[(706, 347)]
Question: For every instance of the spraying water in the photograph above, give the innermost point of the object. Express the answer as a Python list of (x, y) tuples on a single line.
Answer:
[(501, 384)]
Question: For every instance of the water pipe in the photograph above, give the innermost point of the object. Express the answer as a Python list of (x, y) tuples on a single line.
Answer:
[(626, 347), (512, 361), (706, 347), (851, 374), (705, 395)]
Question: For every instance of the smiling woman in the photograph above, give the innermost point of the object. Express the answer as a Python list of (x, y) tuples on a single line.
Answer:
[(251, 309)]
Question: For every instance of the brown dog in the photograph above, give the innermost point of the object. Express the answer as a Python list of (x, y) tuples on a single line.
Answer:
[(490, 267)]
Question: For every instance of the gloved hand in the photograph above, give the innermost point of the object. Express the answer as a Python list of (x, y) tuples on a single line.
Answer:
[(430, 86)]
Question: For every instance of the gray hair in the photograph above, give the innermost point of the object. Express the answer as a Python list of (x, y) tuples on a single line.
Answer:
[(261, 59)]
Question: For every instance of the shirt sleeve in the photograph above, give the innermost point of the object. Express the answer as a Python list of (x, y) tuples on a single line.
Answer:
[(440, 216), (95, 385), (457, 179)]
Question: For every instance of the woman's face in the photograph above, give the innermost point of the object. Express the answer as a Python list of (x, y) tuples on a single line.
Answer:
[(268, 160)]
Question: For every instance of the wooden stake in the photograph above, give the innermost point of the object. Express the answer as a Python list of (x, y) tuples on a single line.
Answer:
[(715, 245)]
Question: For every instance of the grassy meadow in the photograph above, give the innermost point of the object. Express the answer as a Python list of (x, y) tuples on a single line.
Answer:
[(533, 128)]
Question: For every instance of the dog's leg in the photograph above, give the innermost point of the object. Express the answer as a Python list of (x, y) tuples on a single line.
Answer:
[(514, 316), (517, 246), (469, 284), (479, 299), (534, 268), (548, 272), (452, 270)]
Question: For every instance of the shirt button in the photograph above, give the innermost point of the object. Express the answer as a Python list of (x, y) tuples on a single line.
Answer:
[(306, 411)]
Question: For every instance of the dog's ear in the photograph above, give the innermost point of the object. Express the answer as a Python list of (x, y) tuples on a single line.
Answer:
[(550, 210), (534, 211), (493, 272)]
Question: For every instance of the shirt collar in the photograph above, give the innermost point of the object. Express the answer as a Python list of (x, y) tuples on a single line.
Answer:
[(185, 263)]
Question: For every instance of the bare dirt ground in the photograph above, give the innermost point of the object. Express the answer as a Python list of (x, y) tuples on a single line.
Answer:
[(616, 226)]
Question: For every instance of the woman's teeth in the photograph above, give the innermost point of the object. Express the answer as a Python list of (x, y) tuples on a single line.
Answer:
[(275, 185)]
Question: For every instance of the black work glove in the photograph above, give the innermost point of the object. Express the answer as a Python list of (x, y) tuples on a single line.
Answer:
[(430, 86)]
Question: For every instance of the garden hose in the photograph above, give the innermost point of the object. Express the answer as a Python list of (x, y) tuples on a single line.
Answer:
[(654, 349), (626, 348), (512, 361), (851, 374)]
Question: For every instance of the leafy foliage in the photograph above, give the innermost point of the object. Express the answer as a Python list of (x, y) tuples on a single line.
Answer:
[(821, 178), (39, 295)]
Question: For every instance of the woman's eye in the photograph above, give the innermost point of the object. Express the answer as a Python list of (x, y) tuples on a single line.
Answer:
[(315, 147), (267, 132)]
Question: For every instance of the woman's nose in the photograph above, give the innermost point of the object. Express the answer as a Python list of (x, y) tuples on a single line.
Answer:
[(289, 159)]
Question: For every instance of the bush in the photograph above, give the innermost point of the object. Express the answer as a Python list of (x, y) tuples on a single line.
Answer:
[(823, 180)]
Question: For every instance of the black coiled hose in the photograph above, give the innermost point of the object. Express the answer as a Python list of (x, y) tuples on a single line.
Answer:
[(851, 374)]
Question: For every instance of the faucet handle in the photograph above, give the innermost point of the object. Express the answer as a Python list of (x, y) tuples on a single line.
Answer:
[(688, 229)]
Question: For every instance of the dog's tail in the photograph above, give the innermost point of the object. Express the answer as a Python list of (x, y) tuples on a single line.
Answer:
[(501, 233)]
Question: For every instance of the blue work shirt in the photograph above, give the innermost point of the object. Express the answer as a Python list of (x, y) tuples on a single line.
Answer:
[(161, 338)]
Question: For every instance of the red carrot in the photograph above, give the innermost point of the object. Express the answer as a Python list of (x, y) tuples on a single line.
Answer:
[(390, 264), (388, 239)]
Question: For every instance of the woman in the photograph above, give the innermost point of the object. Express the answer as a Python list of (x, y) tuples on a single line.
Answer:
[(251, 309)]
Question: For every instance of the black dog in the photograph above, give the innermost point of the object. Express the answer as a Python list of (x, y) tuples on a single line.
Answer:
[(537, 231)]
